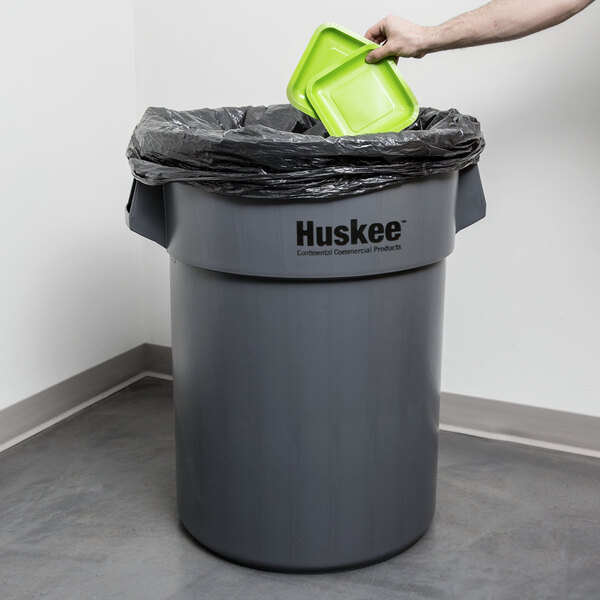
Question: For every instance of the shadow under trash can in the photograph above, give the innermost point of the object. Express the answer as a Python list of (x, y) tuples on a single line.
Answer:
[(307, 290)]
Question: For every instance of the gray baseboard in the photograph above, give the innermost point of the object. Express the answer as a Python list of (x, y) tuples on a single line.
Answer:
[(158, 359), (31, 413), (457, 411), (518, 421)]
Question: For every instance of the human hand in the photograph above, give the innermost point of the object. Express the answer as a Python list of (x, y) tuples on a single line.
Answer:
[(399, 38)]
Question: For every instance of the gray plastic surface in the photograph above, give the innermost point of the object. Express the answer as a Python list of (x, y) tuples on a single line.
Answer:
[(145, 211), (306, 384), (470, 199), (306, 414), (260, 237)]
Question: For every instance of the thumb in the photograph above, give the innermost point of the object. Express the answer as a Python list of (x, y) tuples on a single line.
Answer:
[(379, 53)]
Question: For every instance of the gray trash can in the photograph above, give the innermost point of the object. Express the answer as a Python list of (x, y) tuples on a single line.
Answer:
[(307, 342)]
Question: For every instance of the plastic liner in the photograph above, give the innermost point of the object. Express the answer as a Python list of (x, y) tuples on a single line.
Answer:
[(279, 152)]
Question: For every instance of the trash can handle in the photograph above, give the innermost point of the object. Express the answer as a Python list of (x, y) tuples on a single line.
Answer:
[(145, 212), (470, 199)]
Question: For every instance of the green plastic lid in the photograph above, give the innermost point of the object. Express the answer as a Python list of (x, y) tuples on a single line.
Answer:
[(354, 97), (329, 44), (333, 83)]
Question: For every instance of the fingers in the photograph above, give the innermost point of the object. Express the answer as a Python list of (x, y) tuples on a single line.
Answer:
[(376, 33), (380, 53), (379, 39)]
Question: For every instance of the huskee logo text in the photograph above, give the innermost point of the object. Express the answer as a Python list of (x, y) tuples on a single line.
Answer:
[(331, 238)]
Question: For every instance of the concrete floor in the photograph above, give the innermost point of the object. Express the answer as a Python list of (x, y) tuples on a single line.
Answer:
[(87, 510)]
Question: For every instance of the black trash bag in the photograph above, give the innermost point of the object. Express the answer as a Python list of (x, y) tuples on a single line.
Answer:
[(279, 152)]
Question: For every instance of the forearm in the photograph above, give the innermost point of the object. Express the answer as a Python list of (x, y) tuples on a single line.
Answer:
[(500, 20)]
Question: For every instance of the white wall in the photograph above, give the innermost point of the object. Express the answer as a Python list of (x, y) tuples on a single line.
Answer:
[(70, 270), (522, 318), (77, 287)]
